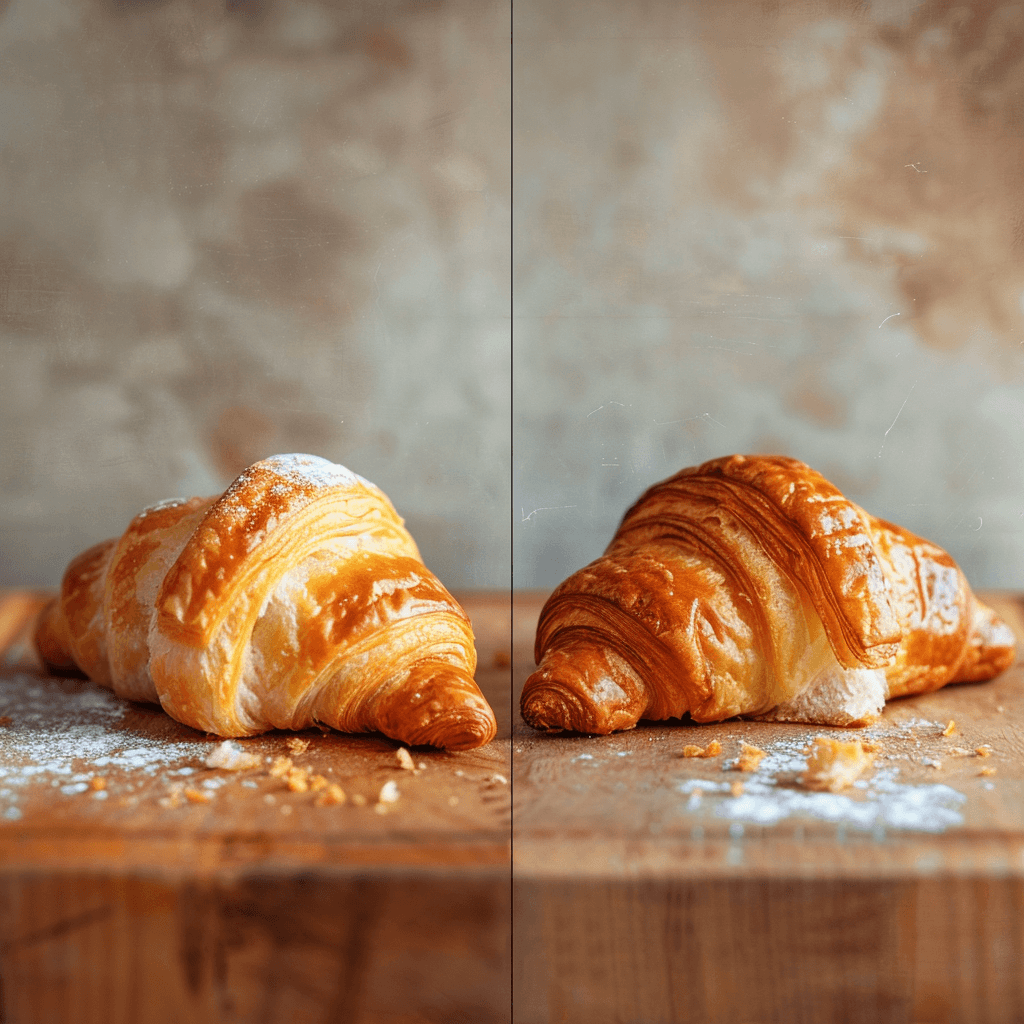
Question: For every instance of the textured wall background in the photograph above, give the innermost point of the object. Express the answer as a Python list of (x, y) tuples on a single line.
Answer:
[(793, 227), (237, 228)]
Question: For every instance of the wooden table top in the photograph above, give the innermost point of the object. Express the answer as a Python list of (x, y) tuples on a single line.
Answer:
[(630, 806), (160, 808), (626, 805)]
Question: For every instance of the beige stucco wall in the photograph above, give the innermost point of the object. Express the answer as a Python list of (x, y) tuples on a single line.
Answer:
[(234, 229), (789, 227)]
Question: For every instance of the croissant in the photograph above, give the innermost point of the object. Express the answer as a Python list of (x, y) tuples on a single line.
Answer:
[(294, 599), (750, 586)]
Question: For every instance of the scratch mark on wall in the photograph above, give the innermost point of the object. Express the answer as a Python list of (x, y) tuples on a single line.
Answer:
[(893, 424), (545, 508)]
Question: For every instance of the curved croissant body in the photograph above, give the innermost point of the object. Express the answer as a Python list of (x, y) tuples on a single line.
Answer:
[(751, 586), (295, 598)]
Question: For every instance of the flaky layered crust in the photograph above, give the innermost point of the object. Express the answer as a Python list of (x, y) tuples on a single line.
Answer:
[(296, 598), (751, 586)]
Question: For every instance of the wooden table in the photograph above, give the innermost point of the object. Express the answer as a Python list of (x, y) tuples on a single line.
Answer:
[(646, 892), (180, 893)]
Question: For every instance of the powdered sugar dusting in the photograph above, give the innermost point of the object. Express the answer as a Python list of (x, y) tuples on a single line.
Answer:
[(62, 732), (771, 794), (311, 469)]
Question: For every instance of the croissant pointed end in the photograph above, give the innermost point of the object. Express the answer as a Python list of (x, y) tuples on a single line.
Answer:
[(560, 696), (439, 707)]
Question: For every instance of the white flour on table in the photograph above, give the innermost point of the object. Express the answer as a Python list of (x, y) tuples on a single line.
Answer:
[(62, 733)]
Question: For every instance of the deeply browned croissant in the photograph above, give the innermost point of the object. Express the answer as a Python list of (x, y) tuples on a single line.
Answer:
[(751, 586), (296, 598)]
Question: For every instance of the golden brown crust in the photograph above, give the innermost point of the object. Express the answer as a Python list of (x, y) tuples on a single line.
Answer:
[(296, 598), (750, 586)]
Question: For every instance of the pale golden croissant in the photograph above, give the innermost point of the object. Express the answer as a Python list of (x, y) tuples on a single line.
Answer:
[(751, 586), (296, 598)]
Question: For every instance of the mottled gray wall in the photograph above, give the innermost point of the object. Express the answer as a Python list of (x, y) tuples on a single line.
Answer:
[(791, 227), (229, 229)]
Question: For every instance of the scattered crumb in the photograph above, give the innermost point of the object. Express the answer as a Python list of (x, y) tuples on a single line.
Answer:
[(380, 808), (286, 809), (750, 758), (869, 746), (198, 796), (452, 801), (6, 720), (317, 782), (226, 755), (1000, 708), (388, 793), (713, 749), (736, 788), (987, 771), (459, 772), (297, 780), (98, 782), (358, 800), (931, 762), (333, 794), (961, 752), (833, 764), (422, 765), (950, 728), (296, 745), (405, 759), (281, 767), (983, 751), (174, 797), (498, 780)]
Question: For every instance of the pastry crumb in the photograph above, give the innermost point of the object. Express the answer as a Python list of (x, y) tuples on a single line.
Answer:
[(950, 728), (296, 745), (983, 751), (331, 795), (736, 788), (405, 760), (198, 796), (750, 757), (97, 782), (987, 771), (297, 780), (316, 783), (421, 765), (961, 752), (713, 749), (226, 755), (869, 746), (281, 767), (388, 793), (174, 796), (498, 780), (452, 801), (931, 762), (834, 764), (358, 800)]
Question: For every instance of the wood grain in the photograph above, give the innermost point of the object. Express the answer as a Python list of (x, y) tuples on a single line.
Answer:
[(132, 903), (634, 902)]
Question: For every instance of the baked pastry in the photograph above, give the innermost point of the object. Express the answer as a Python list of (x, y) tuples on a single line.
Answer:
[(294, 599), (751, 586)]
